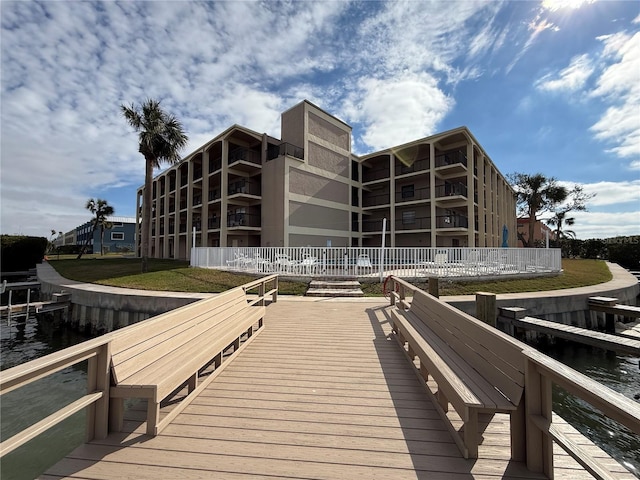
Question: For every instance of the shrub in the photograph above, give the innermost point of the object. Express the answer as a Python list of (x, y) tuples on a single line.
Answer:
[(20, 252)]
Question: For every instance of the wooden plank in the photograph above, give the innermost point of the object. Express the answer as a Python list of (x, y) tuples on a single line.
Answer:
[(581, 335)]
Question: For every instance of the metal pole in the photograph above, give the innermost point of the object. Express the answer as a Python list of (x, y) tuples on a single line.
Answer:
[(384, 234)]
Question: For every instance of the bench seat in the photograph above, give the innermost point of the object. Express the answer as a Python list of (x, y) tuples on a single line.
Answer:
[(154, 359), (476, 369)]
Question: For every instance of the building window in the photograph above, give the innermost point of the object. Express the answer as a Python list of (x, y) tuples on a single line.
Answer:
[(117, 236), (117, 224), (407, 191), (408, 218)]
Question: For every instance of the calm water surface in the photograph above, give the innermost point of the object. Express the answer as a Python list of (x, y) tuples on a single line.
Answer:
[(24, 406)]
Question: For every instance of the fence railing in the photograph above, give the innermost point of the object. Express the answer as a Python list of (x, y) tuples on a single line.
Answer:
[(410, 262)]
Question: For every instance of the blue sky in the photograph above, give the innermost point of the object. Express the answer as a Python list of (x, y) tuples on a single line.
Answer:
[(545, 86)]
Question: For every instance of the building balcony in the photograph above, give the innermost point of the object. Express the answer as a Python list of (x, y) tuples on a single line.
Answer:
[(413, 195), (415, 223), (239, 220), (421, 165), (451, 163), (245, 160), (374, 175), (213, 223), (375, 200), (214, 195), (372, 225), (215, 165), (451, 193), (284, 149), (452, 222)]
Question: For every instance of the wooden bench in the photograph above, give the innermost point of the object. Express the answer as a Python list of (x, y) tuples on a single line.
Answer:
[(477, 368), (155, 358)]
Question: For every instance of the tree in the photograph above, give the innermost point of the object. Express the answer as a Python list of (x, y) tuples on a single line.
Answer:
[(537, 194), (104, 224), (558, 220), (161, 138), (100, 210)]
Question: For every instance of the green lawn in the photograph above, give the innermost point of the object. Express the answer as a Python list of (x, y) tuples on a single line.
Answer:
[(177, 276)]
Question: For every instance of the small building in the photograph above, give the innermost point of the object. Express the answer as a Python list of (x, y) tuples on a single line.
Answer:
[(540, 233), (119, 237)]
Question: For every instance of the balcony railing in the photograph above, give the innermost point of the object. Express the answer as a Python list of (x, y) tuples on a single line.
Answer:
[(417, 166), (284, 149), (373, 200), (214, 195), (372, 225), (451, 190), (451, 158), (245, 187), (417, 194), (244, 155), (371, 175), (213, 222), (215, 165), (452, 221), (197, 173), (197, 200), (419, 223), (243, 220)]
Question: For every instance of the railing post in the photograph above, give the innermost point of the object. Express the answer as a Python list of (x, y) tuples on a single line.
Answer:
[(433, 287), (98, 380), (486, 308), (538, 412)]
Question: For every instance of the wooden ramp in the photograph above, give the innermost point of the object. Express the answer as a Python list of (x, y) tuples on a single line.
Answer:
[(323, 393)]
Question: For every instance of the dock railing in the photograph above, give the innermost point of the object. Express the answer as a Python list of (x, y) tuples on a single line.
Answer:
[(541, 373), (98, 353), (405, 262)]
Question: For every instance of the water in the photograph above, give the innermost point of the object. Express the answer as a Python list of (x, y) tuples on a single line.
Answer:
[(618, 372), (24, 406)]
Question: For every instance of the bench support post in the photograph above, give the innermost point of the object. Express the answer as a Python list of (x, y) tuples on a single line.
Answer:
[(116, 414), (539, 445), (153, 415), (471, 433)]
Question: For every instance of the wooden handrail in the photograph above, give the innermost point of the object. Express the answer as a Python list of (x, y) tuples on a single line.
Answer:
[(98, 353), (542, 372)]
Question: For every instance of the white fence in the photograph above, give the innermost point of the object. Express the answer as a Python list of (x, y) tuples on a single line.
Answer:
[(378, 262)]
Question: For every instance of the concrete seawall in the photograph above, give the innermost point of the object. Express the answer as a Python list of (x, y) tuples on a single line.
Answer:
[(568, 306), (98, 309)]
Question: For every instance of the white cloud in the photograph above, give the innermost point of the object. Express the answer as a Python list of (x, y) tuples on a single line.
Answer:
[(396, 111), (605, 224), (610, 193), (619, 85), (571, 78)]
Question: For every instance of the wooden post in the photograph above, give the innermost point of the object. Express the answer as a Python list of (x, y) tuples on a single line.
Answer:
[(486, 308), (539, 446), (433, 287), (98, 379)]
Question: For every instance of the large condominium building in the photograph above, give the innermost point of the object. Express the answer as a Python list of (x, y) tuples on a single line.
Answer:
[(245, 188)]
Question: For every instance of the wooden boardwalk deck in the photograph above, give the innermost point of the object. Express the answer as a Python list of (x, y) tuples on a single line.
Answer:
[(323, 393)]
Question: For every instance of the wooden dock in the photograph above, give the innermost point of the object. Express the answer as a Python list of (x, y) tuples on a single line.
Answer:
[(616, 343), (323, 393)]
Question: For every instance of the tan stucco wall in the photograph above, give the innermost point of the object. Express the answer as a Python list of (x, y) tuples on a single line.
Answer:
[(316, 216), (329, 132), (328, 160), (311, 185), (293, 125)]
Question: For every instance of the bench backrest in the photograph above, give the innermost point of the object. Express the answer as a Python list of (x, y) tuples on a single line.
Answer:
[(492, 353), (135, 347)]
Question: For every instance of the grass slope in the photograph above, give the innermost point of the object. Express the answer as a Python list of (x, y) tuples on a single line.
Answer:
[(177, 276)]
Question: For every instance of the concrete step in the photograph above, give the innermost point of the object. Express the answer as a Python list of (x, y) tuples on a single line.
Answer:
[(317, 292), (334, 284), (334, 288)]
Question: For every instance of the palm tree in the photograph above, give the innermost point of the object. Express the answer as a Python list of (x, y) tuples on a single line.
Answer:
[(100, 210), (536, 194), (104, 225), (558, 220), (161, 138)]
